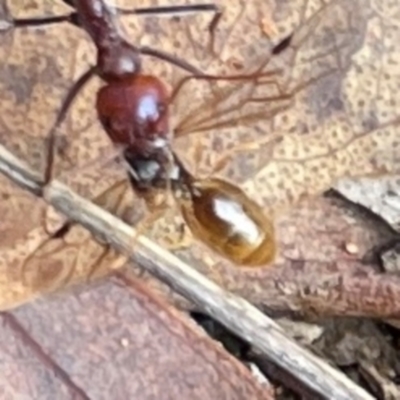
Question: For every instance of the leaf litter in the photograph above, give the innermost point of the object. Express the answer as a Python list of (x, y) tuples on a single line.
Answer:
[(343, 125)]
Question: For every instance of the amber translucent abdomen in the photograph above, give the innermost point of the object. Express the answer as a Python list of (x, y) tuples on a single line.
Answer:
[(225, 219)]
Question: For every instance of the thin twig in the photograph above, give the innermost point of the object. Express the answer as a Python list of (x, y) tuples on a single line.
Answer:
[(232, 311)]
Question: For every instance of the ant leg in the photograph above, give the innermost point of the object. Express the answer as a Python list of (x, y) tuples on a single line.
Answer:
[(172, 10), (52, 134), (71, 18), (31, 274), (158, 210), (212, 27), (185, 9), (176, 10), (184, 240), (112, 266), (98, 162), (78, 85), (171, 59), (146, 223), (107, 200)]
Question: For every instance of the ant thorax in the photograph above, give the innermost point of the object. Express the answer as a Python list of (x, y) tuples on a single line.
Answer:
[(153, 172)]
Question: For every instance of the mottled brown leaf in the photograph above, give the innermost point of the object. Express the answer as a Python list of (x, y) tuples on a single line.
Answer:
[(336, 116), (109, 342)]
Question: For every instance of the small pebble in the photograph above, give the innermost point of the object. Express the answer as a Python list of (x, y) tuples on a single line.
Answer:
[(351, 248)]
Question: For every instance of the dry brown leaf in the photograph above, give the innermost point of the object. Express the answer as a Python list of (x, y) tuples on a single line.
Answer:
[(344, 124), (109, 342)]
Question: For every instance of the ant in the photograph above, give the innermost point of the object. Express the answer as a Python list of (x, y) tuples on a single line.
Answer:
[(133, 110)]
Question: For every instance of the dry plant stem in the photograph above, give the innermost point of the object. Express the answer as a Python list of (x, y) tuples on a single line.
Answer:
[(19, 173), (232, 311)]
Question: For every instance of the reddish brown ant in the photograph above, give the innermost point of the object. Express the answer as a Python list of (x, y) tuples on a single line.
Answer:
[(141, 127)]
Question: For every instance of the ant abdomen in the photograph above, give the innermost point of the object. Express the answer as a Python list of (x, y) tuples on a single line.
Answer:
[(221, 215), (134, 113)]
